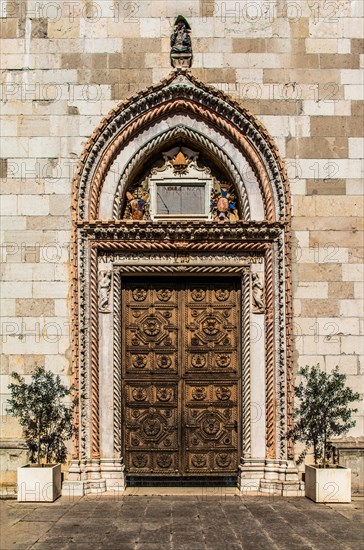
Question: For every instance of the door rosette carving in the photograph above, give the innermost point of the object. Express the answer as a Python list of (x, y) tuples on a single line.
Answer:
[(210, 326), (198, 361), (164, 361), (139, 394), (151, 327), (222, 360), (164, 394), (140, 460), (139, 294), (223, 460), (210, 425), (222, 294), (198, 294), (198, 461), (164, 295), (139, 361), (152, 426), (164, 460), (199, 394), (223, 393)]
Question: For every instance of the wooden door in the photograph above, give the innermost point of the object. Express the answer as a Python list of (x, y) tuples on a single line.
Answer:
[(181, 376)]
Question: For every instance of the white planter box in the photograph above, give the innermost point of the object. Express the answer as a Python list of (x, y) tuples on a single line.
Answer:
[(39, 483), (328, 485)]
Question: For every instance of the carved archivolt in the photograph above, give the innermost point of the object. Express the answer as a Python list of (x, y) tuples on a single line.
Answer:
[(196, 137), (181, 92)]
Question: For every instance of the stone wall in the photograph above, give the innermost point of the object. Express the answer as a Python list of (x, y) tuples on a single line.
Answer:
[(295, 64)]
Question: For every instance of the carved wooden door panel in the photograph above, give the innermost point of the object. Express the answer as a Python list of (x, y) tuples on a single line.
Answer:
[(181, 377), (211, 378)]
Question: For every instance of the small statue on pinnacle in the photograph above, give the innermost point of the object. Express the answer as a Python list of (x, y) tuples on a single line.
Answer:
[(181, 45)]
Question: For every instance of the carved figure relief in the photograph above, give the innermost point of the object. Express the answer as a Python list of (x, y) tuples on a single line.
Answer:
[(258, 294), (104, 291), (181, 44)]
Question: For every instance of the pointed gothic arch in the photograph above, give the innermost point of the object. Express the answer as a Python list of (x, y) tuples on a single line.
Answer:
[(179, 108)]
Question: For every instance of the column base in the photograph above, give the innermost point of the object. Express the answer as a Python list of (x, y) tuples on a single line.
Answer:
[(270, 476), (94, 477)]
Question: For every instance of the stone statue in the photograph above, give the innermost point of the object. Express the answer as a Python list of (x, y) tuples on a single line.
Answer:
[(258, 294), (181, 39), (104, 291), (181, 44)]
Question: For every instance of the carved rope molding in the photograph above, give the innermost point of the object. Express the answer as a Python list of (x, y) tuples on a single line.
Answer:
[(95, 413), (196, 137), (246, 377), (117, 365), (269, 357), (196, 269)]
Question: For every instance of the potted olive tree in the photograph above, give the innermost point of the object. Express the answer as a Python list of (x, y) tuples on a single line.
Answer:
[(323, 412), (47, 423)]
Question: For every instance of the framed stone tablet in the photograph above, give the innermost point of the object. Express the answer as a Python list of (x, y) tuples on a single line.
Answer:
[(181, 199)]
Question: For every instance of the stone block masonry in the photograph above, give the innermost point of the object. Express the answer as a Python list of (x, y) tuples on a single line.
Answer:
[(296, 65)]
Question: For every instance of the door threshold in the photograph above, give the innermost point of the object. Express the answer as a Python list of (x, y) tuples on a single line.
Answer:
[(178, 481), (198, 492)]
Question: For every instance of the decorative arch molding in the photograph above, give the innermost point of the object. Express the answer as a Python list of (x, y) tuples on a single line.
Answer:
[(180, 92), (197, 138), (179, 107)]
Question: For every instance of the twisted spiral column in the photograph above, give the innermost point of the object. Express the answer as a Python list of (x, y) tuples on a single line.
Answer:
[(95, 422), (269, 356), (246, 365), (117, 363)]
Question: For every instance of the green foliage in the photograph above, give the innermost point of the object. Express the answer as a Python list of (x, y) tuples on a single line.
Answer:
[(323, 411), (46, 420)]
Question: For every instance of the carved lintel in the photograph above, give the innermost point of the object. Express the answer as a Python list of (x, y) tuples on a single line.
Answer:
[(257, 294), (104, 291)]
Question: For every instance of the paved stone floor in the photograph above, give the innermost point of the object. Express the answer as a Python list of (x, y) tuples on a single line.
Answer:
[(206, 519)]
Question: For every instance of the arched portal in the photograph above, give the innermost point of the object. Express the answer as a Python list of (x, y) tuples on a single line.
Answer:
[(180, 192)]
